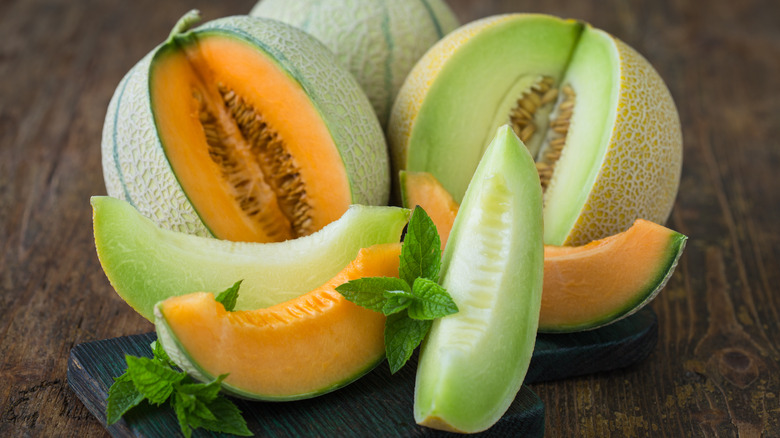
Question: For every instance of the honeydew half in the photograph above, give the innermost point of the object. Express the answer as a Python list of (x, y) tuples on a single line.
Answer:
[(245, 129), (472, 364), (598, 119), (146, 264)]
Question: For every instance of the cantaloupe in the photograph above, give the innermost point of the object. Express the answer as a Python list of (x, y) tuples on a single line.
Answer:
[(146, 264), (598, 118), (585, 287), (298, 349), (245, 129), (378, 41)]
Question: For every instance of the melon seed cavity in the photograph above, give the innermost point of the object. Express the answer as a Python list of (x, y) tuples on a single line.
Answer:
[(255, 162), (525, 121)]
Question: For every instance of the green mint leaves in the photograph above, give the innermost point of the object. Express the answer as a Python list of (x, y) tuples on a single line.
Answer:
[(197, 405), (416, 291), (229, 296)]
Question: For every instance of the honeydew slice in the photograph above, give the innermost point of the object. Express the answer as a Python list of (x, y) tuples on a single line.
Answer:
[(472, 364), (146, 264)]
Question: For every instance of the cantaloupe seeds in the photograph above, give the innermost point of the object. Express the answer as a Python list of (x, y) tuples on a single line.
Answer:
[(278, 200)]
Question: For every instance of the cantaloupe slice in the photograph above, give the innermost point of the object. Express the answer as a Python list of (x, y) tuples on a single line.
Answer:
[(589, 286), (585, 287), (298, 349)]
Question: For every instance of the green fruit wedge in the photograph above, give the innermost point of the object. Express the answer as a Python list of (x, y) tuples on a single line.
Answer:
[(473, 362), (146, 264)]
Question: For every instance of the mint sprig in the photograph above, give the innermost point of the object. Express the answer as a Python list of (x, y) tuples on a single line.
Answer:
[(196, 405), (412, 301)]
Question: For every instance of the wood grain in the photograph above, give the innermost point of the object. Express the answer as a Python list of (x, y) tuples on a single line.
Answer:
[(715, 369)]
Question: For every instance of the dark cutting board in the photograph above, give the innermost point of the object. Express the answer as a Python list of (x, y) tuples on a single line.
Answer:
[(379, 404)]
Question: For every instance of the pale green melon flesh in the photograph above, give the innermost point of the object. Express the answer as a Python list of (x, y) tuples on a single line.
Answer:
[(595, 75), (484, 70), (473, 362), (146, 264)]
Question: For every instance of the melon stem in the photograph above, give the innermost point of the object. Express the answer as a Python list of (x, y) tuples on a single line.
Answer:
[(184, 24)]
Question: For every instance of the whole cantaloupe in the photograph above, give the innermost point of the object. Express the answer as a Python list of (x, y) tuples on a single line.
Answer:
[(246, 129), (378, 41)]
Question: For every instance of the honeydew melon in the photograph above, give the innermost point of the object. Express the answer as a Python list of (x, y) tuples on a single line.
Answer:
[(246, 129), (472, 364), (146, 264), (598, 118), (585, 287), (378, 41), (298, 349)]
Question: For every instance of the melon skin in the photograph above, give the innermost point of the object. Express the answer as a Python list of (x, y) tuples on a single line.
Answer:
[(635, 164), (378, 41), (135, 167)]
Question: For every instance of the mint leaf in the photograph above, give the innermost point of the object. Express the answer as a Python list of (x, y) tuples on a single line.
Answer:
[(229, 296), (402, 336), (159, 353), (396, 301), (180, 404), (203, 391), (421, 250), (122, 396), (229, 418), (369, 292), (151, 378), (430, 300)]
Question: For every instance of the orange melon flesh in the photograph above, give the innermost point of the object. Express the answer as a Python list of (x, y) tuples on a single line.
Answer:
[(585, 287), (198, 66), (422, 188), (605, 280), (297, 349)]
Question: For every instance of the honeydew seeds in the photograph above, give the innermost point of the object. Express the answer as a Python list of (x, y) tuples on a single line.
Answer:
[(527, 118)]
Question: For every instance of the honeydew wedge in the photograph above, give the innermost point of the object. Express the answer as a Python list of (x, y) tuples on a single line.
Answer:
[(298, 349), (244, 129), (472, 364), (146, 264), (598, 119)]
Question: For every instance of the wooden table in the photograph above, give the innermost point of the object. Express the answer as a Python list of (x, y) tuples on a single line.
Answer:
[(715, 369)]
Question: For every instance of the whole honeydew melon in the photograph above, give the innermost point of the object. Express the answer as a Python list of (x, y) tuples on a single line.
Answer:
[(378, 41), (596, 116), (244, 128)]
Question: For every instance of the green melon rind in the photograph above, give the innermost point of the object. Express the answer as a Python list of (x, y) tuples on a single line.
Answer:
[(644, 296), (378, 41), (146, 264), (467, 378), (134, 164), (179, 355)]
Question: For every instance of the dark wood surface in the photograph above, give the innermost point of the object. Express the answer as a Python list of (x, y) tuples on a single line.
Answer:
[(715, 370), (379, 403)]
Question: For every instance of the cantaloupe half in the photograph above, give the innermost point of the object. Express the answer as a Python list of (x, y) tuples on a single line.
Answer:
[(597, 117), (245, 129), (378, 41), (298, 349), (146, 264), (585, 287)]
